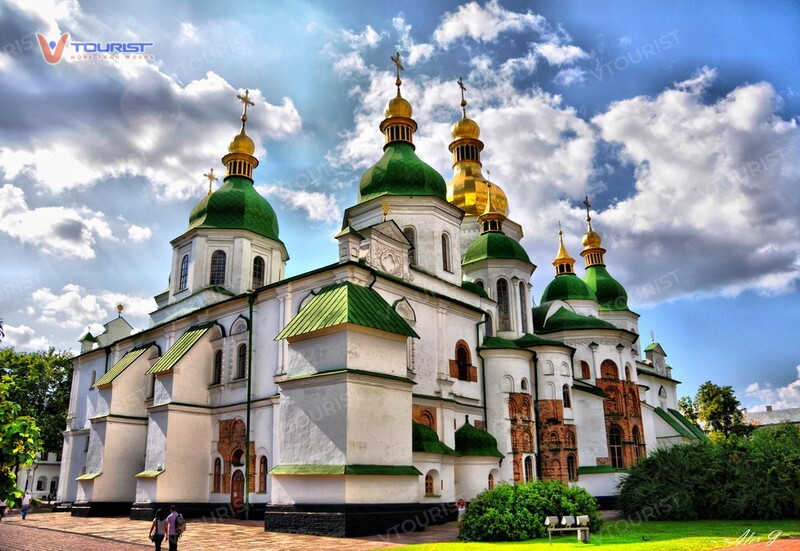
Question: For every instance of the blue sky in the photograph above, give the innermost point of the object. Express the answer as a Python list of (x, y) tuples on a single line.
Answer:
[(678, 119)]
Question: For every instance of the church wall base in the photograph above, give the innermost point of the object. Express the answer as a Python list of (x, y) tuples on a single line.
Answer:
[(342, 520), (207, 512), (100, 508)]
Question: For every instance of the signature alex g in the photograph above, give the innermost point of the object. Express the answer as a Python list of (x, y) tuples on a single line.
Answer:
[(750, 536)]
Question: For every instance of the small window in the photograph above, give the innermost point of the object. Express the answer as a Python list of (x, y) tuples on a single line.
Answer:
[(503, 313), (446, 265), (93, 380), (662, 398), (586, 372), (489, 325), (218, 260), (217, 476), (608, 370), (523, 307), (462, 359), (236, 458), (40, 484), (636, 443), (428, 484), (615, 447), (258, 272), (184, 278), (241, 362), (528, 469), (262, 474), (479, 283), (566, 396), (627, 373), (217, 376), (411, 236), (524, 384), (572, 470), (490, 484)]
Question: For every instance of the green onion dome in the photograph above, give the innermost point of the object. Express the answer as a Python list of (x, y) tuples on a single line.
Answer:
[(475, 442), (236, 205), (609, 292), (553, 316), (566, 287), (494, 245), (425, 439), (401, 172)]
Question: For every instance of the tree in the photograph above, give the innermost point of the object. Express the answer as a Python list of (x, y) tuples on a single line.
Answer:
[(41, 388), (689, 409), (19, 441), (718, 407)]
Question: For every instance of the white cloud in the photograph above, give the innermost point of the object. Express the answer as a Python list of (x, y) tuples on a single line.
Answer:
[(188, 32), (483, 23), (569, 76), (414, 53), (63, 231), (319, 207), (784, 397), (369, 38), (559, 54), (74, 307), (350, 64), (702, 79), (138, 233), (24, 339)]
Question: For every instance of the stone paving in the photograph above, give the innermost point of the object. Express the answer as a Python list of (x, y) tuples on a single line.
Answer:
[(61, 531)]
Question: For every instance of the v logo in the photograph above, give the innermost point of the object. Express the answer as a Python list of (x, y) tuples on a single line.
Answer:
[(52, 52)]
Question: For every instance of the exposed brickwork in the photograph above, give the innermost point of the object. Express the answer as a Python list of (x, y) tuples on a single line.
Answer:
[(424, 415), (232, 438), (623, 411), (557, 441), (461, 366)]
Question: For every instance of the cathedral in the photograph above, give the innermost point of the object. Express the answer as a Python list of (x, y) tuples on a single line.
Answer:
[(374, 391)]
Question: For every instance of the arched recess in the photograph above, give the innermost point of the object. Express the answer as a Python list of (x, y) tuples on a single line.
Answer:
[(404, 308), (550, 391), (565, 369), (608, 370), (566, 397), (305, 301), (508, 383), (216, 331), (240, 325), (548, 368), (431, 483), (586, 370), (411, 236), (523, 384)]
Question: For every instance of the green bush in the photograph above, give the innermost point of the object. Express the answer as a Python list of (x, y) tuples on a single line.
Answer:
[(739, 478), (517, 512)]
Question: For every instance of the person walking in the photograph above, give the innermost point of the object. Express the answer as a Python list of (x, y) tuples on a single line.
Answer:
[(461, 507), (157, 529), (171, 530), (26, 503), (3, 506)]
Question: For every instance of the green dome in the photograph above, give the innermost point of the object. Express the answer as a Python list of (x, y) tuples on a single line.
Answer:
[(564, 320), (566, 287), (401, 172), (237, 206), (494, 245), (425, 439), (475, 442), (609, 292)]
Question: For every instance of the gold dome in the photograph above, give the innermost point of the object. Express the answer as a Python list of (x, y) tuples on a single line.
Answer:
[(563, 256), (242, 144), (465, 128), (591, 239), (469, 190), (398, 107)]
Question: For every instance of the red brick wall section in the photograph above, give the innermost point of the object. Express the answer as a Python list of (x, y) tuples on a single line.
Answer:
[(231, 438), (622, 409), (522, 431), (557, 440), (424, 415)]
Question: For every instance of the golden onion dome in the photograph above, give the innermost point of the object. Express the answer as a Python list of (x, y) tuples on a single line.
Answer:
[(242, 144), (591, 239), (465, 128), (398, 107)]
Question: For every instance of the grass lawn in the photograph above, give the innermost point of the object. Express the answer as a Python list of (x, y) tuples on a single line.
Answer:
[(619, 535)]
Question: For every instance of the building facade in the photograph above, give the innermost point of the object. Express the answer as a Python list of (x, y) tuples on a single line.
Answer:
[(347, 400)]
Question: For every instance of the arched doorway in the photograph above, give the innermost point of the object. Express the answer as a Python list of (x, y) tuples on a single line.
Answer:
[(237, 492)]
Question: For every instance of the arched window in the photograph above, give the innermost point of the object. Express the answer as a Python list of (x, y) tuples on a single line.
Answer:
[(555, 441), (523, 308), (528, 469), (615, 447), (216, 378), (462, 359), (258, 272), (183, 281), (94, 379), (524, 384), (217, 480), (411, 236), (503, 314), (586, 371), (479, 283), (527, 442), (608, 370), (236, 458), (218, 268), (570, 440), (241, 361), (40, 484), (262, 474), (429, 487), (446, 264), (490, 484), (489, 326), (636, 443), (662, 398), (566, 397), (627, 373), (572, 469)]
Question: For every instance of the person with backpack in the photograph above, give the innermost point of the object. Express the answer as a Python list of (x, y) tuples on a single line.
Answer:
[(175, 525), (157, 529)]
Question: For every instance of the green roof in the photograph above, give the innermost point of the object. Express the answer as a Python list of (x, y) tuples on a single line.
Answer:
[(475, 442), (525, 341), (400, 172), (121, 365), (566, 287), (349, 230), (494, 245), (181, 347), (689, 425), (475, 288), (598, 469), (380, 470), (425, 439), (609, 292), (346, 303), (672, 422), (586, 387), (236, 205), (565, 319)]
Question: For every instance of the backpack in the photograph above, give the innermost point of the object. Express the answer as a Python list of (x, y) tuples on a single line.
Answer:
[(180, 525)]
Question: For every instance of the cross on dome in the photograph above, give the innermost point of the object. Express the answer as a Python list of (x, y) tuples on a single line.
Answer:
[(211, 179), (245, 99), (398, 67)]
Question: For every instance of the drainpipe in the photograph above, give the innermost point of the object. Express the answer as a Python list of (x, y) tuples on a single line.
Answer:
[(483, 369), (251, 298), (535, 361)]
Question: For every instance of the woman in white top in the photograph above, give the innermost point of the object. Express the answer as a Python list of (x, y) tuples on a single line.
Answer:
[(157, 529)]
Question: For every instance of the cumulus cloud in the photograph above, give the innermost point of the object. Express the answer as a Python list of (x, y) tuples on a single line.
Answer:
[(483, 23), (368, 38), (74, 307), (560, 54), (63, 231), (138, 233), (784, 397), (319, 207), (414, 53), (24, 339)]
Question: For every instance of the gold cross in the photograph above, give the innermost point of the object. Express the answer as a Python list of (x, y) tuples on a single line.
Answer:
[(398, 67), (211, 179), (463, 99), (588, 206), (245, 99), (386, 208)]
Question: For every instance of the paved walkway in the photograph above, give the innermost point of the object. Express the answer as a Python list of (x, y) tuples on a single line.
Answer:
[(61, 531)]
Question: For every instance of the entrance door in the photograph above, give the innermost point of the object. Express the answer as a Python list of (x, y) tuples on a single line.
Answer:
[(237, 492)]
